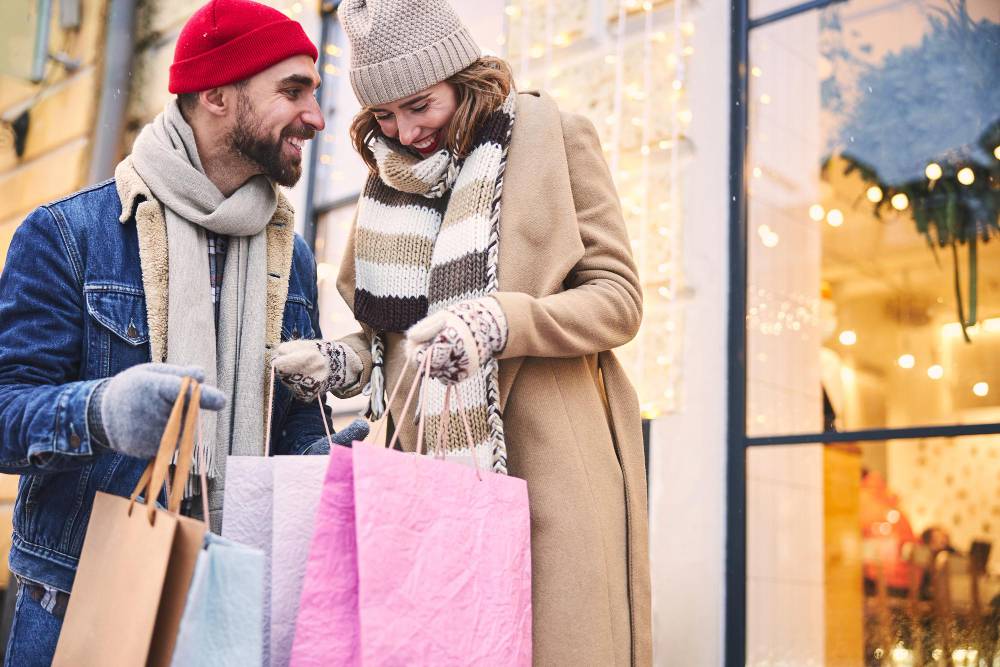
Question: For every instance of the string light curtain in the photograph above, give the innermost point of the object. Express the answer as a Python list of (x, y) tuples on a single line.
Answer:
[(622, 64)]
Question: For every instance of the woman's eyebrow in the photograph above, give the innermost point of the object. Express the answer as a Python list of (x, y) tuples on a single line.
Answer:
[(411, 103)]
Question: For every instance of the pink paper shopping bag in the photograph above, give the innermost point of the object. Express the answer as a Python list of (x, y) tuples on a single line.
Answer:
[(416, 561)]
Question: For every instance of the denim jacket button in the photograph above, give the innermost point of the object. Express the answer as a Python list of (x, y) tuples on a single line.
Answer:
[(74, 441), (132, 333)]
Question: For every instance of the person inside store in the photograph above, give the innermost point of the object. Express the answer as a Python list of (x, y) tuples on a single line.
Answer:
[(185, 264), (489, 239)]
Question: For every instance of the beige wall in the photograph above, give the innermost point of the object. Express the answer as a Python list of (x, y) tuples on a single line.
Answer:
[(62, 110)]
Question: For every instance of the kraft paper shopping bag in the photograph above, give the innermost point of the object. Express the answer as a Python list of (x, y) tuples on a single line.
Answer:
[(137, 562)]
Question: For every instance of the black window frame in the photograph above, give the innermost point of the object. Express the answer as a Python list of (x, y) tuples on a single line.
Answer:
[(738, 441)]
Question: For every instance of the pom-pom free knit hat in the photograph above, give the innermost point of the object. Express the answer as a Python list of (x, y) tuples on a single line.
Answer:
[(400, 47), (230, 40)]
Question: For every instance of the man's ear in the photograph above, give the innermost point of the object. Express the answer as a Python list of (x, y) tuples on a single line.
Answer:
[(216, 101)]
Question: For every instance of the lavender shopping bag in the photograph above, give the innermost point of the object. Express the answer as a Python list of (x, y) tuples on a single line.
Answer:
[(270, 505), (416, 561)]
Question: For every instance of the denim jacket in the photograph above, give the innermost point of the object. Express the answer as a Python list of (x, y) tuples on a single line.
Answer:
[(73, 310)]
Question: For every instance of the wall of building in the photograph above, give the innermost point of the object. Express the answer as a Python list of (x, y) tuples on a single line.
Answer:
[(62, 110)]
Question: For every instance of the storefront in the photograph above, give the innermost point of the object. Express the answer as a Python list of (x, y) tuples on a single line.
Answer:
[(811, 189)]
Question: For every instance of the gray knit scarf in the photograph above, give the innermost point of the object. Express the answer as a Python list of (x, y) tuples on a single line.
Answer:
[(428, 233), (166, 157)]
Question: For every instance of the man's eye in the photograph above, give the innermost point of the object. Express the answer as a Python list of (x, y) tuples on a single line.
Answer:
[(293, 93)]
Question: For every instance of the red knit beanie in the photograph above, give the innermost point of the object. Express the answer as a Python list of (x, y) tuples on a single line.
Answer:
[(230, 40)]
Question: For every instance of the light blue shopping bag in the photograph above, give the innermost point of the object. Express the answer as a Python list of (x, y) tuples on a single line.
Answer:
[(223, 619)]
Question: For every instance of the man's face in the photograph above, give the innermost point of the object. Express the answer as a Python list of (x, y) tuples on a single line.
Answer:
[(276, 113)]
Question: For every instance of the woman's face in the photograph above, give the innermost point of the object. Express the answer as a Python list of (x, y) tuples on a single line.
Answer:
[(420, 120)]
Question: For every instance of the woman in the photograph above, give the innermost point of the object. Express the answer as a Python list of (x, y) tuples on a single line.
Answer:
[(489, 234)]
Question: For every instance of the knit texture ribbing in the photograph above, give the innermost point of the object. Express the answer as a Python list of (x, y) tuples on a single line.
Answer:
[(400, 47)]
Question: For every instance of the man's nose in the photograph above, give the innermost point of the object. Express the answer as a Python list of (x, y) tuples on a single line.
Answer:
[(313, 117)]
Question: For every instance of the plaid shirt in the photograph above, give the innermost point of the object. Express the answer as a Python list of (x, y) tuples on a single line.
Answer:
[(217, 247)]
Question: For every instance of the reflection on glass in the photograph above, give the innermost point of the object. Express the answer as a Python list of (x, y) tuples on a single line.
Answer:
[(875, 554), (874, 198)]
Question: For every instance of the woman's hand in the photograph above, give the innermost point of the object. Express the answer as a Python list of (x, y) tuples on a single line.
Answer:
[(313, 367), (460, 339)]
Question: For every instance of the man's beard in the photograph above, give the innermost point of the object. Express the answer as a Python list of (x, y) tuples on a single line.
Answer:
[(249, 140)]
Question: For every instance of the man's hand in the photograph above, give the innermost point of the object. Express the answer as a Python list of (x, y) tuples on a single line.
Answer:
[(129, 412)]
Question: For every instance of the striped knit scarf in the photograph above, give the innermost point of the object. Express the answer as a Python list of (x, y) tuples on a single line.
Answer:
[(428, 235)]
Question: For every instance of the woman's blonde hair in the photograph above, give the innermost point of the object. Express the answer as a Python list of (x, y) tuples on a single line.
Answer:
[(480, 89)]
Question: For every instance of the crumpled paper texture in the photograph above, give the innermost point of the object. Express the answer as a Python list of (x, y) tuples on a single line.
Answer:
[(223, 620), (298, 483), (443, 566), (328, 630), (248, 502)]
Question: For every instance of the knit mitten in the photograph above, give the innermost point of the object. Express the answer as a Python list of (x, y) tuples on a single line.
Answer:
[(356, 431), (461, 339), (129, 412), (313, 367)]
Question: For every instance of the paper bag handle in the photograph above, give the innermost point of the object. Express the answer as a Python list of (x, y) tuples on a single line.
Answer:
[(178, 434), (439, 446)]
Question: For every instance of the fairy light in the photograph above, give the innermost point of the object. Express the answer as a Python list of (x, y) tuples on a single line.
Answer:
[(966, 176), (817, 212), (641, 111), (835, 217), (933, 171), (900, 201), (875, 194)]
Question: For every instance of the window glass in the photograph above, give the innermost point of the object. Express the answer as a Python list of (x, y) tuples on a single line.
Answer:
[(873, 176), (874, 553)]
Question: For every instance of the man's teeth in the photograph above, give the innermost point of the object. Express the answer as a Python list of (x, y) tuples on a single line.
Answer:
[(296, 142)]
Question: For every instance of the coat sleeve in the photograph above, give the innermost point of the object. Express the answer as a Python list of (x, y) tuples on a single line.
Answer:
[(43, 404), (360, 341), (601, 307)]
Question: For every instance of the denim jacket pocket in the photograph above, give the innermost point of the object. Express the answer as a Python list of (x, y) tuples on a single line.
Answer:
[(118, 334), (297, 322)]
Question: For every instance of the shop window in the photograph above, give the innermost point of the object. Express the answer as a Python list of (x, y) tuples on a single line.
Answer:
[(874, 553), (873, 296)]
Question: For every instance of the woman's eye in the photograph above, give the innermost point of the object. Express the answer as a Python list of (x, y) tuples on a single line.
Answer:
[(382, 119), (422, 108)]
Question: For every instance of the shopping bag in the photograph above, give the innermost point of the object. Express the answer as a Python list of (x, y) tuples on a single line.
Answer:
[(270, 504), (137, 562), (416, 561), (298, 483), (223, 620), (328, 630)]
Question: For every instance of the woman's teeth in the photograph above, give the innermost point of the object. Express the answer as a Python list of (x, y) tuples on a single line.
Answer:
[(426, 143)]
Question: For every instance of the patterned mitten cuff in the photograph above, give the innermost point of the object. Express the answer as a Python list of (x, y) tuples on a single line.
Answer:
[(461, 339), (313, 367)]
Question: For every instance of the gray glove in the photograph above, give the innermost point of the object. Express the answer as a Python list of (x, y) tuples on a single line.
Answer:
[(356, 430), (128, 412)]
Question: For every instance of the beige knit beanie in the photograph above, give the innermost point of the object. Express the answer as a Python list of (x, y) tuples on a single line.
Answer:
[(400, 47)]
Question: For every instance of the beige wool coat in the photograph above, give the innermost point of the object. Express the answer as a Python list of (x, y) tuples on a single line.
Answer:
[(570, 291)]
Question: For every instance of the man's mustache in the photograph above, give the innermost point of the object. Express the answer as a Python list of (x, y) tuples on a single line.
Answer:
[(298, 132)]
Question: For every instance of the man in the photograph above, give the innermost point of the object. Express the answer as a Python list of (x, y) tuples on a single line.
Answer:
[(185, 264)]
